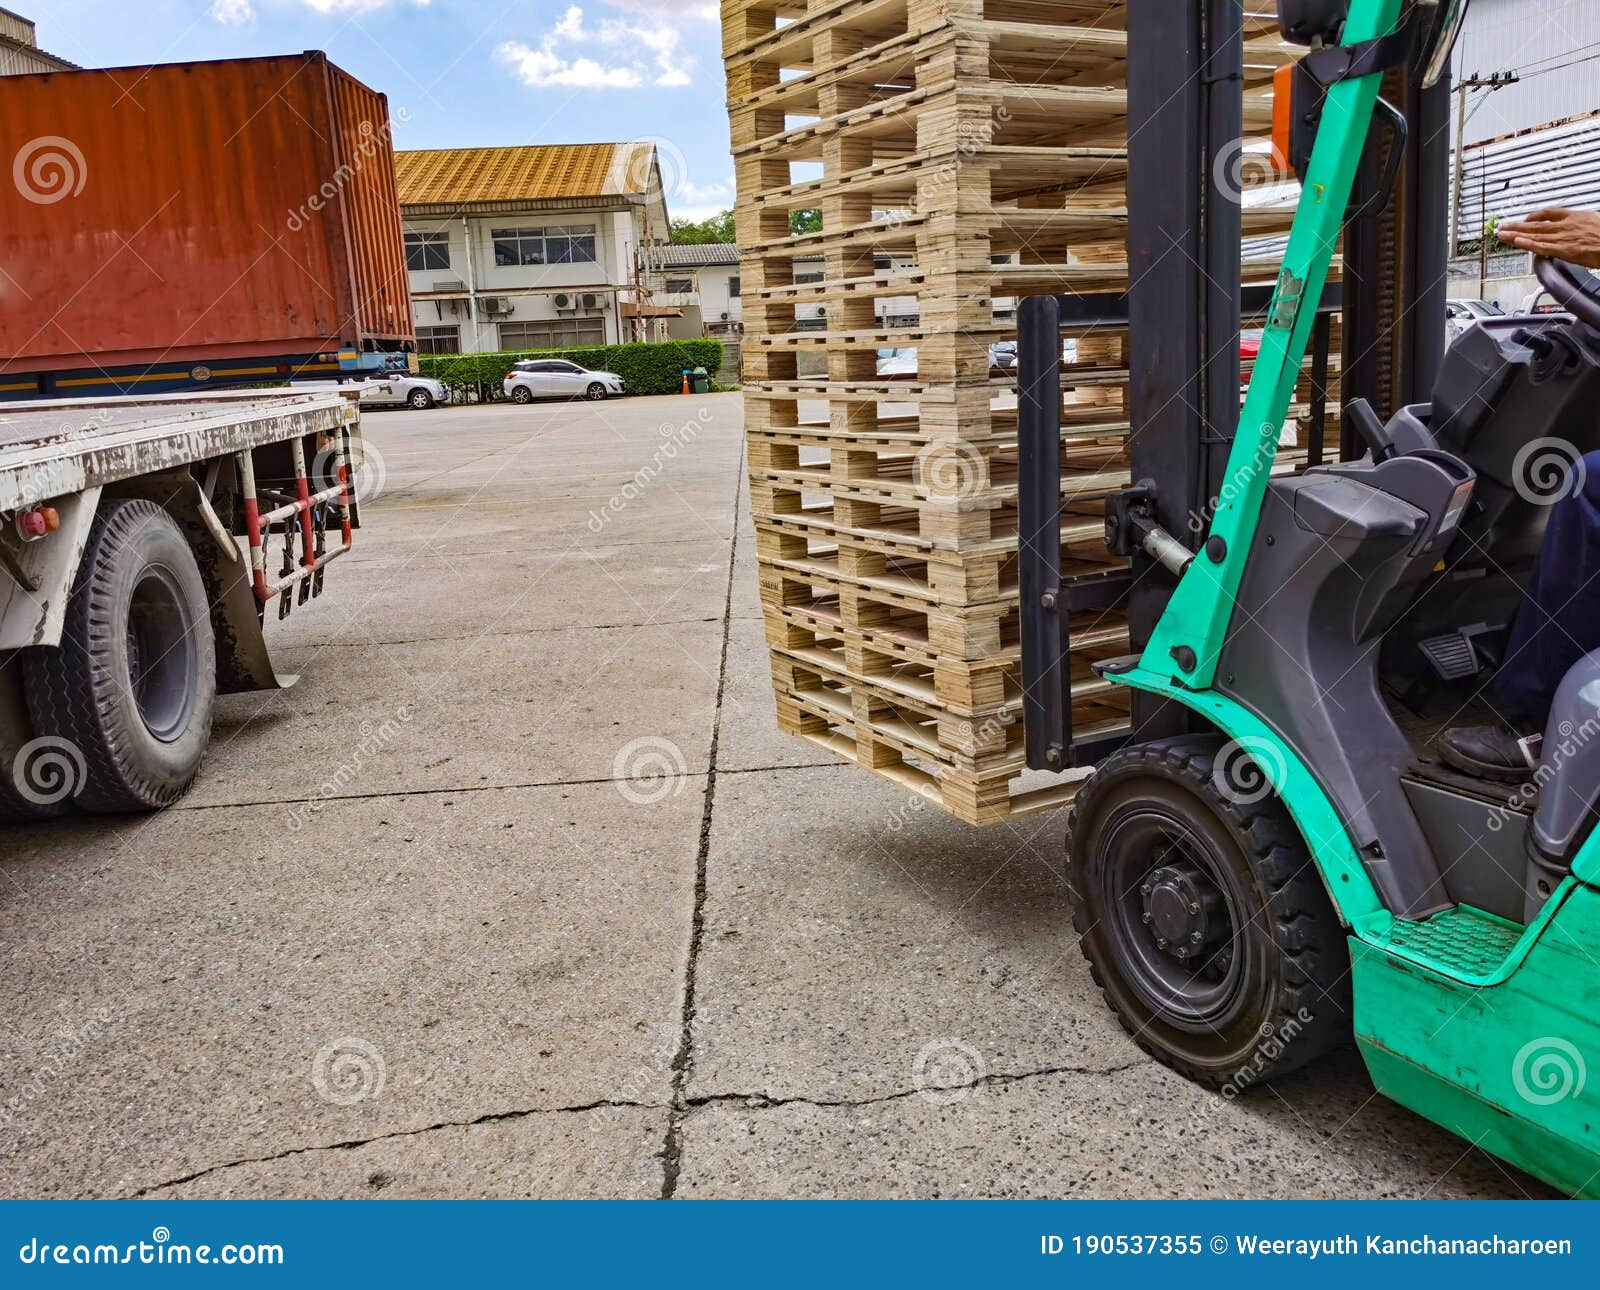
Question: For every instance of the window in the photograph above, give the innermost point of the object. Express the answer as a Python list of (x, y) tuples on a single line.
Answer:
[(733, 286), (438, 340), (564, 244), (425, 251), (679, 286), (553, 333)]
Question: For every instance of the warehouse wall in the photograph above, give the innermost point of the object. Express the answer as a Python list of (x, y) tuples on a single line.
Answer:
[(1553, 45)]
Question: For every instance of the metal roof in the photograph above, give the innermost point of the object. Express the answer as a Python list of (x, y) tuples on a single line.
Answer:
[(534, 173), (672, 255)]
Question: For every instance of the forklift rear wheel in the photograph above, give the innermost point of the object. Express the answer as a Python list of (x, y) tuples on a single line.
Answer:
[(129, 692), (1203, 918)]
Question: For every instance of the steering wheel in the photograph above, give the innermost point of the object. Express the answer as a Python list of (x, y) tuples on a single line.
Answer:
[(1575, 289)]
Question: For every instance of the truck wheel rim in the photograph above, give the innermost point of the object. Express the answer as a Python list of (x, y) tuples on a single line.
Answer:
[(161, 654), (1154, 870)]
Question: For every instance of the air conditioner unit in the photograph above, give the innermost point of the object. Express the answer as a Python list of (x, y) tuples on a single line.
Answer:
[(562, 300), (496, 305), (591, 300), (726, 316)]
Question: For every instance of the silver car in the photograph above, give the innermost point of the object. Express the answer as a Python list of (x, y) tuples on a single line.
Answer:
[(402, 391), (558, 378)]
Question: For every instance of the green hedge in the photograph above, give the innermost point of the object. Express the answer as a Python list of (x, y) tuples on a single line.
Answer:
[(648, 368)]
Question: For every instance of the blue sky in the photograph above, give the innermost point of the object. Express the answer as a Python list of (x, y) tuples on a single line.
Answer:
[(462, 72)]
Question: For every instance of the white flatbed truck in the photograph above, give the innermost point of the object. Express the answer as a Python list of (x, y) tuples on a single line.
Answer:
[(135, 542)]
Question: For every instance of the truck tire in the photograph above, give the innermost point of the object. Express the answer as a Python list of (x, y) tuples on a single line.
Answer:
[(1202, 915), (133, 684), (29, 786)]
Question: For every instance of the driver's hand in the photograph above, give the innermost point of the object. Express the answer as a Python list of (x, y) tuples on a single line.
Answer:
[(1573, 236)]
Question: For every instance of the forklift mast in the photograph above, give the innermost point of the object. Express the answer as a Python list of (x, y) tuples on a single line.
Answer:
[(1186, 81)]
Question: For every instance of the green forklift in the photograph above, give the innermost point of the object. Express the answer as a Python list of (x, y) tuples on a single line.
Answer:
[(1273, 855)]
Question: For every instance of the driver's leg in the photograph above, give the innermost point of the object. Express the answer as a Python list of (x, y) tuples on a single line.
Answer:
[(1557, 624)]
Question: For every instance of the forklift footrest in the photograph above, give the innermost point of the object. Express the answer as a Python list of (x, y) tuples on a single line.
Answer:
[(1464, 943)]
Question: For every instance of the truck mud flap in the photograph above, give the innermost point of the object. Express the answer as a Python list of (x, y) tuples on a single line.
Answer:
[(244, 664)]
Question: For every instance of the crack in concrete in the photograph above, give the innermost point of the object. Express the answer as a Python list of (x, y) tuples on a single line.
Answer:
[(413, 792), (682, 1061), (492, 1117), (764, 1101), (680, 1106)]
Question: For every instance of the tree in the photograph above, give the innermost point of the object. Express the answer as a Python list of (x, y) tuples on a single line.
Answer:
[(718, 228)]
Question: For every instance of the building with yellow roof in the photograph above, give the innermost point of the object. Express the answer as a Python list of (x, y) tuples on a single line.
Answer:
[(530, 247)]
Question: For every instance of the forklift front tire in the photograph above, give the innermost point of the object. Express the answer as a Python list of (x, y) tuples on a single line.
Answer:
[(1203, 917)]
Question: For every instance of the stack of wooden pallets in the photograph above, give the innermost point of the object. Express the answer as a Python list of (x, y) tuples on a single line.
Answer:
[(962, 154)]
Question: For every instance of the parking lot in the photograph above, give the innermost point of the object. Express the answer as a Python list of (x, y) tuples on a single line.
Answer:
[(519, 893)]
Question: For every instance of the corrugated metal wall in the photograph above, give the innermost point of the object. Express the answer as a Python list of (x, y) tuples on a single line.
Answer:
[(13, 26), (1554, 167), (1553, 46), (18, 61)]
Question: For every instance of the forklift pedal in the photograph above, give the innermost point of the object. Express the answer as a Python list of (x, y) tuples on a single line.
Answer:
[(1451, 655)]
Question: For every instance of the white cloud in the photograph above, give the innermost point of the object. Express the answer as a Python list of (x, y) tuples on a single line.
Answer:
[(622, 52), (541, 67), (235, 12), (703, 193), (692, 8)]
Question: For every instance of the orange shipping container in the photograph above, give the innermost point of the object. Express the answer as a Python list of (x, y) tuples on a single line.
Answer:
[(196, 210)]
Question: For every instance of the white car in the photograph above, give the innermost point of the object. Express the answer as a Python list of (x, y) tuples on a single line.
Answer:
[(1461, 314), (557, 378), (401, 391)]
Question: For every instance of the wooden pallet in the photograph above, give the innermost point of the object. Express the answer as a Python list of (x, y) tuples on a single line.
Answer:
[(960, 153)]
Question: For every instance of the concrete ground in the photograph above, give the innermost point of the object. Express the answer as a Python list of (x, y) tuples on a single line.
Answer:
[(518, 893)]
